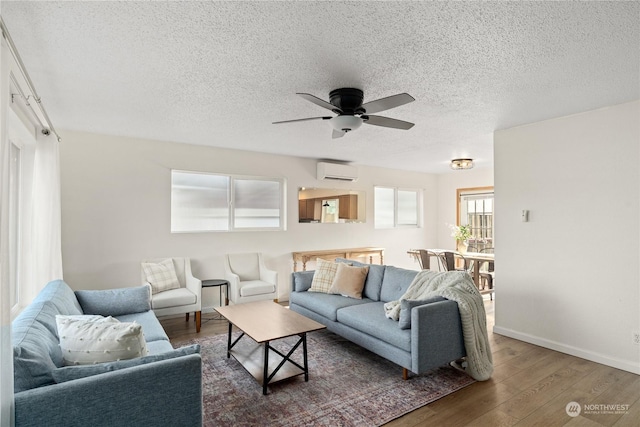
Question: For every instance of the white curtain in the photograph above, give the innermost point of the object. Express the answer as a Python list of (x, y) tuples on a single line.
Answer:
[(45, 257)]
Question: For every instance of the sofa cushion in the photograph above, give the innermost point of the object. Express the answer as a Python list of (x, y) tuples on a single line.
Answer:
[(69, 373), (151, 327), (395, 283), (373, 283), (174, 297), (323, 276), (301, 280), (405, 309), (161, 275), (36, 349), (349, 281), (370, 319), (324, 304), (159, 346), (61, 295), (85, 342), (256, 287), (115, 302)]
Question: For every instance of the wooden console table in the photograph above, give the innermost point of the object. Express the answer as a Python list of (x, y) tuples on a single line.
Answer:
[(331, 254)]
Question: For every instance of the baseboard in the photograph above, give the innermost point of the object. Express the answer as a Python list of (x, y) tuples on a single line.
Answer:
[(573, 351)]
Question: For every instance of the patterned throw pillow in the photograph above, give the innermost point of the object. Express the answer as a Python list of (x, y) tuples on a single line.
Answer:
[(323, 276), (88, 341), (161, 276)]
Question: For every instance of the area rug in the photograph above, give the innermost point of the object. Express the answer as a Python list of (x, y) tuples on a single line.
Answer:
[(348, 386)]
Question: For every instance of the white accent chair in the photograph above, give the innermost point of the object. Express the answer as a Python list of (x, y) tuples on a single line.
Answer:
[(185, 299), (249, 279)]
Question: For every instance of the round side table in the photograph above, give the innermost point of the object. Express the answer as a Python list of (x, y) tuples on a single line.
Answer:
[(218, 283)]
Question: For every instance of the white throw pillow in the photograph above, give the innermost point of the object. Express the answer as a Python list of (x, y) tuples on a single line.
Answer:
[(88, 341), (161, 276)]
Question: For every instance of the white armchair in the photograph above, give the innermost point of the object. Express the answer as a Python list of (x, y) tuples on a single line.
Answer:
[(249, 279), (185, 298)]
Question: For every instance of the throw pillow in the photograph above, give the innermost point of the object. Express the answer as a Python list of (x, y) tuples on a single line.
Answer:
[(161, 276), (349, 281), (84, 342), (69, 373), (323, 276), (405, 309)]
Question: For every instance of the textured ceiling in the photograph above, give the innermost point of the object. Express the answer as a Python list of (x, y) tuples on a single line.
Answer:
[(218, 73)]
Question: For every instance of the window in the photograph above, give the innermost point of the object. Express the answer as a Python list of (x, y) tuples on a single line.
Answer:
[(395, 207), (256, 203), (475, 207), (211, 202)]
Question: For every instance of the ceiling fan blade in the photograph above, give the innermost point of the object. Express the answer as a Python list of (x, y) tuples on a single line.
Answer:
[(302, 120), (387, 103), (387, 122), (320, 102), (337, 134)]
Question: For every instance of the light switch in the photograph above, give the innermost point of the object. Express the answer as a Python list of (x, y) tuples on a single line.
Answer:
[(525, 215)]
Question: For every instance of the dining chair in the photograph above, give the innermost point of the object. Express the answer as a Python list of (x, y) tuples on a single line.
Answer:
[(488, 275), (449, 261), (425, 259)]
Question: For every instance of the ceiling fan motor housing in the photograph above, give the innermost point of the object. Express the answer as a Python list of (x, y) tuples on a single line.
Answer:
[(348, 100)]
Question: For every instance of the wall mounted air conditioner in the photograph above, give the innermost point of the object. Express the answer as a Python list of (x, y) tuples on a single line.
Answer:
[(337, 171)]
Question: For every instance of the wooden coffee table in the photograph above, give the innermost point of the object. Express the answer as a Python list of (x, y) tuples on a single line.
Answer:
[(265, 321)]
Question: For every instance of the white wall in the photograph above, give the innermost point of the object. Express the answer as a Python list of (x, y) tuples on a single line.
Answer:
[(569, 278), (116, 211), (448, 184)]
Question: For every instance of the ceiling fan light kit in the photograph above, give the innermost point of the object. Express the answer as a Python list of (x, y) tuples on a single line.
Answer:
[(351, 112), (346, 123), (461, 164)]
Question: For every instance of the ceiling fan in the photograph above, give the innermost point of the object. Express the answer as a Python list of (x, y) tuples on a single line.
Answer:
[(351, 112)]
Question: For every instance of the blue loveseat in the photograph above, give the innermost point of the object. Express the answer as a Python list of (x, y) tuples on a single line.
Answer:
[(429, 333), (160, 389)]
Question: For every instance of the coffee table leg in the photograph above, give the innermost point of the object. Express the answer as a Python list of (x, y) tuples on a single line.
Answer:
[(304, 353), (229, 341), (265, 372)]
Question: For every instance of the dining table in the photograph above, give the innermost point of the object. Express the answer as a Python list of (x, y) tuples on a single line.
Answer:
[(476, 260)]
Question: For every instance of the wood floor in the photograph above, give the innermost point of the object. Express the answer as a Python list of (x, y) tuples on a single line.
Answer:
[(531, 386)]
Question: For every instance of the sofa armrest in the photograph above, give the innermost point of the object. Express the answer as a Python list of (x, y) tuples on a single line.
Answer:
[(167, 392), (115, 302), (269, 276), (192, 283), (436, 335), (234, 285)]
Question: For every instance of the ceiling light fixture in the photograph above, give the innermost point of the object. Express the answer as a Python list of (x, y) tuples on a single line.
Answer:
[(345, 123), (460, 164)]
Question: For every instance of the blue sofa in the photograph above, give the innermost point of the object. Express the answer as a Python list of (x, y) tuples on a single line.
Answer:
[(433, 335), (160, 389)]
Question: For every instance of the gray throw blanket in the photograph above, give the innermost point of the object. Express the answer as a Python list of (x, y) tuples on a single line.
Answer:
[(456, 286)]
